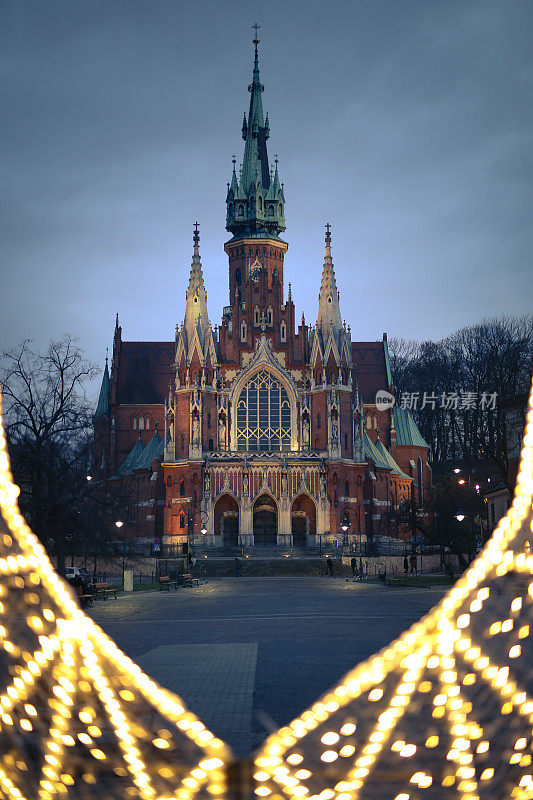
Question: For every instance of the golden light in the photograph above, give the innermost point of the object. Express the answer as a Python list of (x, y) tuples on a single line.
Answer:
[(445, 711)]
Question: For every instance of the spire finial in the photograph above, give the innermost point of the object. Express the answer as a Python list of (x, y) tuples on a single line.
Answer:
[(328, 234), (106, 356), (255, 40), (196, 235)]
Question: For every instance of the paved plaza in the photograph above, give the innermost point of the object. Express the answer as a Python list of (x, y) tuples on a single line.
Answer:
[(249, 654)]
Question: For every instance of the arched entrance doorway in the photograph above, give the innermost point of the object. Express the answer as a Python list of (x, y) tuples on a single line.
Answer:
[(303, 520), (227, 520), (265, 521)]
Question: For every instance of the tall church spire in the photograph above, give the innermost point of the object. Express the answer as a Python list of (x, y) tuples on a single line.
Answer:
[(329, 313), (196, 317), (255, 203), (102, 407)]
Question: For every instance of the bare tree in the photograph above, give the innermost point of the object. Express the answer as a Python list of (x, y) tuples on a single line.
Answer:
[(492, 357), (49, 428)]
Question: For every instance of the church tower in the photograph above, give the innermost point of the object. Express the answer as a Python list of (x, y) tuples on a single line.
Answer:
[(255, 205)]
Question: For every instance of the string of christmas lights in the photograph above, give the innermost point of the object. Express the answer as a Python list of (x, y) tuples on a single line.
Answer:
[(446, 711)]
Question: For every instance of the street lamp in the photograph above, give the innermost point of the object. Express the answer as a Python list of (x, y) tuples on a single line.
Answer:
[(459, 517), (119, 525)]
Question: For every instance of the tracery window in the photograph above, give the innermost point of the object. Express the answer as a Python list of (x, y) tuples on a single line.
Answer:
[(263, 415)]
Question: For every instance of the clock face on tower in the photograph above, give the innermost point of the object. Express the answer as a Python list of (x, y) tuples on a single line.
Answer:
[(255, 270)]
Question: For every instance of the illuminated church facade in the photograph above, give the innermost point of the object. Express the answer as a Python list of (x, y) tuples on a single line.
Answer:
[(257, 432)]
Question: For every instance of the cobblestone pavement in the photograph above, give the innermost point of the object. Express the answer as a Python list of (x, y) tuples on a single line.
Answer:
[(249, 654)]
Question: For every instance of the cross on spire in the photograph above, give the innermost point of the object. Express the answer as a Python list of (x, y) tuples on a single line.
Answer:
[(328, 234), (256, 27), (196, 235)]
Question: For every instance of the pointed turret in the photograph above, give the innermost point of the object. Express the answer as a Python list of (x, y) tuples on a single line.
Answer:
[(196, 318), (255, 203), (195, 331), (103, 398), (329, 313)]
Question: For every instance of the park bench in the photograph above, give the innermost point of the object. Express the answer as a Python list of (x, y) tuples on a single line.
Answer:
[(104, 589), (188, 579), (166, 583)]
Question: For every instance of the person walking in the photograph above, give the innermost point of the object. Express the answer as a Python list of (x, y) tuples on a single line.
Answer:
[(353, 564), (329, 564), (414, 568), (237, 567), (406, 565)]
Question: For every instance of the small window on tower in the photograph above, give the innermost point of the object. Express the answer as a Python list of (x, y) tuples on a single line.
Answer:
[(346, 441), (210, 445), (182, 520), (243, 331), (238, 277), (141, 423), (318, 420), (208, 420), (182, 488), (147, 424), (134, 423), (369, 422), (283, 332), (269, 316)]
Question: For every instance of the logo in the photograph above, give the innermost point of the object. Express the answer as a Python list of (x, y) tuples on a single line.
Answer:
[(384, 400)]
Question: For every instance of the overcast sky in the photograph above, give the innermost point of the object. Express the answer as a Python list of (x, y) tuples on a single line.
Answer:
[(407, 125)]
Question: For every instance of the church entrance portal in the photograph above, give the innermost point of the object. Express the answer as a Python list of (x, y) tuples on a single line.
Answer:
[(227, 520), (299, 531), (303, 520), (230, 529), (265, 522)]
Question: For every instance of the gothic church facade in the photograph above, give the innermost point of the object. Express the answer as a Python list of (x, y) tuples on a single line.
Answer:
[(257, 431)]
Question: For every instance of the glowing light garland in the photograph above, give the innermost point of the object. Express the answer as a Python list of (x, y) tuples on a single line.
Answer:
[(446, 711)]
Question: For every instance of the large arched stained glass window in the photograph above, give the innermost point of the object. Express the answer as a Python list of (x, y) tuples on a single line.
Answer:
[(263, 415)]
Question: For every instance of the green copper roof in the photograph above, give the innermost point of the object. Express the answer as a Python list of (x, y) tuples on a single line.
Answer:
[(372, 453), (255, 200), (386, 456), (103, 398), (153, 449), (130, 462), (407, 432)]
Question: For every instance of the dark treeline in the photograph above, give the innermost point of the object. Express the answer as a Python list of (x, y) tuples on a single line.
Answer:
[(471, 378), (48, 421)]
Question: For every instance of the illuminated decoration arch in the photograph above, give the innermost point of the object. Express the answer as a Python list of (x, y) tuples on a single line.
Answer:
[(444, 712)]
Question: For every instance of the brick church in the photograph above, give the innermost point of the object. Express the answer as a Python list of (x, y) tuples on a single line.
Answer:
[(257, 431)]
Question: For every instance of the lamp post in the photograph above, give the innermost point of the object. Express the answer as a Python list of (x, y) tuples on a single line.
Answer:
[(119, 525), (345, 526)]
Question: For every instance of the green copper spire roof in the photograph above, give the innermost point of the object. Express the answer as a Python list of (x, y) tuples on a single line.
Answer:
[(255, 202), (103, 398)]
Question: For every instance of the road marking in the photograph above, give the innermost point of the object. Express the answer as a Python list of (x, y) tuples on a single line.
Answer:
[(362, 617)]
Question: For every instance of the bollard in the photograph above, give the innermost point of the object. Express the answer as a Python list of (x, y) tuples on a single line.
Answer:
[(128, 580)]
